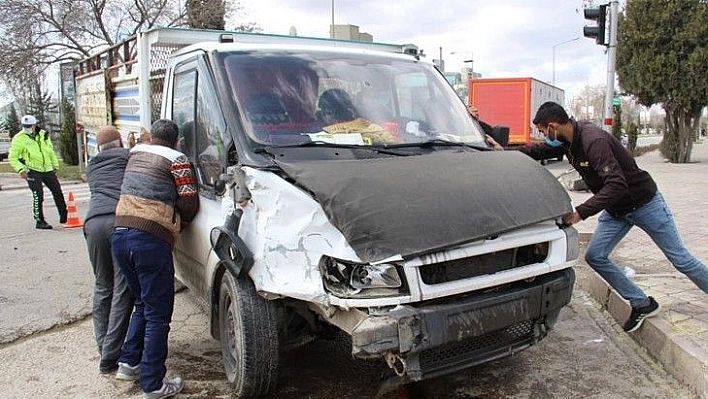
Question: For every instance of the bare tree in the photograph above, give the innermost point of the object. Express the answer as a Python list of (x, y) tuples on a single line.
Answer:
[(588, 103), (54, 31), (212, 14), (206, 14), (40, 33)]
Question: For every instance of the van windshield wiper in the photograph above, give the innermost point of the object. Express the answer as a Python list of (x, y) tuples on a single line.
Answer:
[(322, 144), (439, 143)]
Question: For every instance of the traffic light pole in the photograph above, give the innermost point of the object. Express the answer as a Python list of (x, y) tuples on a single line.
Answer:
[(611, 65)]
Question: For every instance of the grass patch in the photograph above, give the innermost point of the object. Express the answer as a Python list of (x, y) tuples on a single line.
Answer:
[(68, 172), (65, 172)]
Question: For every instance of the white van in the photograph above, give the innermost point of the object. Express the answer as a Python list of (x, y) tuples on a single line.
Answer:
[(344, 188)]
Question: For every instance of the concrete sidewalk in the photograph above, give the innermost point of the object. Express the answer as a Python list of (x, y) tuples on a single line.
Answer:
[(11, 181), (678, 336)]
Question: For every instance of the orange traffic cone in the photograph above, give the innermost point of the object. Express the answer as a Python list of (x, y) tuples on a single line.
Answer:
[(72, 218)]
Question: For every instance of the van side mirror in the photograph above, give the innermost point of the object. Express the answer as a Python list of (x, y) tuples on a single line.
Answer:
[(500, 134)]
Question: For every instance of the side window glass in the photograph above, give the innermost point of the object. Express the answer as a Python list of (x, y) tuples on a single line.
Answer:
[(210, 149), (183, 111)]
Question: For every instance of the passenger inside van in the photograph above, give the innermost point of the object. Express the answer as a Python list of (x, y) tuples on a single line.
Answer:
[(335, 106)]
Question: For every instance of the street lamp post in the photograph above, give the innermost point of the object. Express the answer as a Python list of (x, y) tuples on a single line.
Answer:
[(554, 55)]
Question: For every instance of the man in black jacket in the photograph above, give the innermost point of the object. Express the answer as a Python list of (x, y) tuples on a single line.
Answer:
[(474, 113), (112, 300), (626, 196)]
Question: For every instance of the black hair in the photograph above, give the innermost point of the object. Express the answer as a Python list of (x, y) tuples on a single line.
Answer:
[(550, 112), (164, 132)]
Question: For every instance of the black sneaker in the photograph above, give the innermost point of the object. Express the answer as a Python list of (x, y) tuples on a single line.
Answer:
[(639, 314), (107, 367), (43, 225)]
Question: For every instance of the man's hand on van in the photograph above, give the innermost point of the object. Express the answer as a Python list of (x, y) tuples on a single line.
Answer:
[(572, 218), (496, 146)]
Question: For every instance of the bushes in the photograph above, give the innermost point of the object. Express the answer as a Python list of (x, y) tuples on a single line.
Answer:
[(68, 147)]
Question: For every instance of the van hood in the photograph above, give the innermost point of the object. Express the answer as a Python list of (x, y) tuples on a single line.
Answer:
[(414, 205)]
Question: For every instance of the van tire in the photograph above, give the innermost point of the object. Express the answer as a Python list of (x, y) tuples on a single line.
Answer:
[(249, 338)]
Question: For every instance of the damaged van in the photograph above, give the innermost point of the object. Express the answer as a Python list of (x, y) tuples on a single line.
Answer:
[(344, 188)]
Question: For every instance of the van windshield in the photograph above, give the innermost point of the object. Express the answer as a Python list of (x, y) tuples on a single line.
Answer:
[(365, 99)]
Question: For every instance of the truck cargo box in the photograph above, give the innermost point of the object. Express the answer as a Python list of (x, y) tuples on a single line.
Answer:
[(513, 102)]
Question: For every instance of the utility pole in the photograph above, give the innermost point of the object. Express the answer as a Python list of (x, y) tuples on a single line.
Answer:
[(611, 65), (606, 36), (331, 29)]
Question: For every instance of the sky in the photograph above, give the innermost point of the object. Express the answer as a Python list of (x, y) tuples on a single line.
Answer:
[(504, 38)]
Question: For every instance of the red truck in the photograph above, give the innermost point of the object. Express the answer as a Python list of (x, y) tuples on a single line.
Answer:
[(513, 102)]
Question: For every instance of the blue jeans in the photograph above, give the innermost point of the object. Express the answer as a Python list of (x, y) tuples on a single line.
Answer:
[(656, 220), (147, 264)]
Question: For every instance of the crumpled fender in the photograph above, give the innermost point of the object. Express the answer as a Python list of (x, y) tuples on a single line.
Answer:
[(287, 232)]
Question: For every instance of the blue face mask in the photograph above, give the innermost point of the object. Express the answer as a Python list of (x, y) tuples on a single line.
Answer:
[(553, 143)]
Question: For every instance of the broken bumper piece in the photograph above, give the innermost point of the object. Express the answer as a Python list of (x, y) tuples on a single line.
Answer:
[(440, 337)]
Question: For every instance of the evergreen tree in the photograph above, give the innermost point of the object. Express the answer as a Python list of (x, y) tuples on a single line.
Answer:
[(662, 54), (12, 122), (617, 122), (40, 104), (632, 135), (68, 147)]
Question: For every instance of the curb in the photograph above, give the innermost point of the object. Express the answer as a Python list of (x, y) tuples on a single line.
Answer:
[(14, 186), (679, 354)]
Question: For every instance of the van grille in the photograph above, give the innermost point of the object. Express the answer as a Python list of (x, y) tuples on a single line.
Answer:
[(475, 350), (484, 264)]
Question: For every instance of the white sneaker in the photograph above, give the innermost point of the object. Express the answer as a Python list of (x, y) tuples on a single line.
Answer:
[(127, 372), (170, 388)]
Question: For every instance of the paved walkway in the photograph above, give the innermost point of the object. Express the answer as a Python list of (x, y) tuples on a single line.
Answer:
[(678, 336)]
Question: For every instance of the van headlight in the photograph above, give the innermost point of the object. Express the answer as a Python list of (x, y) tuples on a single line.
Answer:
[(360, 280)]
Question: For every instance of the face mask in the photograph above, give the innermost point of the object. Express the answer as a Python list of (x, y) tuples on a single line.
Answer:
[(554, 142)]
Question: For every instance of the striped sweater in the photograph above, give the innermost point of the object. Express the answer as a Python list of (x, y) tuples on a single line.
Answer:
[(159, 192)]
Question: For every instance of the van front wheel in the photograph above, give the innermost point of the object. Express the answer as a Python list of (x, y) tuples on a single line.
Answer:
[(249, 338)]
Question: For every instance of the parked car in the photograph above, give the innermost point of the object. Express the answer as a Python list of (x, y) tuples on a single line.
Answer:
[(4, 148)]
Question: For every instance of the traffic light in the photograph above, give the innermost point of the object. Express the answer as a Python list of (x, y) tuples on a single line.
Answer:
[(598, 14)]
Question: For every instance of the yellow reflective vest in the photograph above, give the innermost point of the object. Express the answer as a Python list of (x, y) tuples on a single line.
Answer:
[(34, 153)]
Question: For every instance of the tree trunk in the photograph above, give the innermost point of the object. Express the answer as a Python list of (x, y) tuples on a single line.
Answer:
[(681, 129), (670, 144)]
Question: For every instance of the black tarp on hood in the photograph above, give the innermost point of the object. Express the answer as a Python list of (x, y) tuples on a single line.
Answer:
[(422, 204)]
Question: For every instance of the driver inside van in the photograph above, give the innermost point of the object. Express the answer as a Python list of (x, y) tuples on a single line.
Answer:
[(335, 106), (339, 116)]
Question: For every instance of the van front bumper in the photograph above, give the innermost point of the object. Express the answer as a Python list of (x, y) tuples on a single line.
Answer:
[(442, 336)]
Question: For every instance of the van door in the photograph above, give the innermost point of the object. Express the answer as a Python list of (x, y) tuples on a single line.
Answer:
[(196, 111)]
